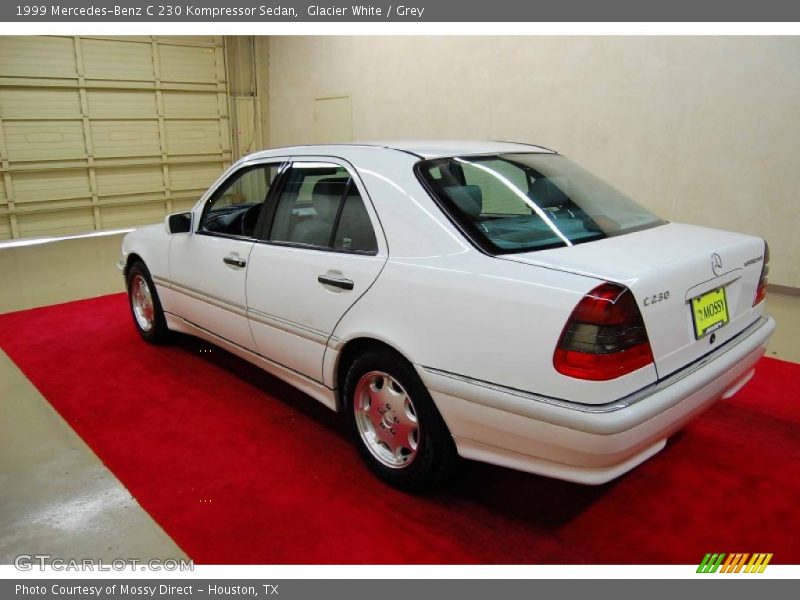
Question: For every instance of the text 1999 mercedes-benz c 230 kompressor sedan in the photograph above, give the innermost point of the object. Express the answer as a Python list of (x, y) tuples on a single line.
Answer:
[(488, 300)]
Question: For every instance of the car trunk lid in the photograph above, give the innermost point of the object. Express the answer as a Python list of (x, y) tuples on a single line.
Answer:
[(666, 267)]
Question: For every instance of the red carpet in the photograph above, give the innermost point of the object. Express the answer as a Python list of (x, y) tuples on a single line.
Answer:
[(239, 468)]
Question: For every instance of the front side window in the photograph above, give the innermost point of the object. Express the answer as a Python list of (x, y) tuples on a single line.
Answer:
[(320, 206), (523, 202), (236, 208)]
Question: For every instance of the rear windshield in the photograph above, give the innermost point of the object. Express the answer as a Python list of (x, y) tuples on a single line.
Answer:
[(521, 202)]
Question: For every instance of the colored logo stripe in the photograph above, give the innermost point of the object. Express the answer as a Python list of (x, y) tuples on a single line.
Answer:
[(736, 562), (710, 563), (760, 562)]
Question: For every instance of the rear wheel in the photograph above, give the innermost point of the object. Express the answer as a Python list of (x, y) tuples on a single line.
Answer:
[(399, 432), (145, 305)]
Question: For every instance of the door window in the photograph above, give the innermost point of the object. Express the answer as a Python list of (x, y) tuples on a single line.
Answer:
[(321, 207), (236, 208), (354, 230)]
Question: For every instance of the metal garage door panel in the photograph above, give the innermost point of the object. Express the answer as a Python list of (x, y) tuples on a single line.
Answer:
[(40, 186), (186, 63), (191, 105), (114, 59), (138, 214), (132, 180), (125, 138), (183, 39), (37, 57), (5, 223), (105, 132), (46, 103), (193, 137), (55, 222), (183, 205), (193, 176), (120, 103), (38, 140)]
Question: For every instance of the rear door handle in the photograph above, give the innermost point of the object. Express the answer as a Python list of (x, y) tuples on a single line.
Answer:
[(338, 282), (235, 261)]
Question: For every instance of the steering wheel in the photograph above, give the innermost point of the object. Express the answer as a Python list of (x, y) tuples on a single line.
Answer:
[(249, 219)]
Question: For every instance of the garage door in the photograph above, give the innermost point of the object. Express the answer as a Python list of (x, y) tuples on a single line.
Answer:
[(104, 133)]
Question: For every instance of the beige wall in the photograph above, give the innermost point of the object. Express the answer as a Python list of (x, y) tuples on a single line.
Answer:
[(247, 70), (702, 130)]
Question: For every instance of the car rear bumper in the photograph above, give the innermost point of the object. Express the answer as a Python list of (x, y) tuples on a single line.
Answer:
[(589, 444)]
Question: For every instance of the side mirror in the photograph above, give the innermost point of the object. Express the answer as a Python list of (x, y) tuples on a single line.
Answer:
[(179, 223)]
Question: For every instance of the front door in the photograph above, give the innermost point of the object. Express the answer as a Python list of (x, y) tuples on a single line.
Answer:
[(208, 268)]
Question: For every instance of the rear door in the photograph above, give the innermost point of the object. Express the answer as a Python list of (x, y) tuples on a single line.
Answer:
[(208, 267), (320, 251)]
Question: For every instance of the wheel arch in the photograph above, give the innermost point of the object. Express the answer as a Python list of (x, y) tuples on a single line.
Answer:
[(351, 350), (132, 258)]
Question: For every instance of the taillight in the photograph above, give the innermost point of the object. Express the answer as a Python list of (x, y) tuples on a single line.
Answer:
[(604, 337), (761, 291)]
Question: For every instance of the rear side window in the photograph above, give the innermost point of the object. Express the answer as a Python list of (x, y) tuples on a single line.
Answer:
[(321, 207), (355, 229), (523, 202)]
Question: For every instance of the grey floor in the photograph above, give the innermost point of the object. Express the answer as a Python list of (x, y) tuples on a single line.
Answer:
[(56, 496)]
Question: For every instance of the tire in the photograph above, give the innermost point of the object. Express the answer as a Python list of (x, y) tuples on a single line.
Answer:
[(148, 316), (407, 444)]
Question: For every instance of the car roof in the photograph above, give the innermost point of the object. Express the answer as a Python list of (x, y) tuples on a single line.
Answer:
[(437, 148), (420, 148)]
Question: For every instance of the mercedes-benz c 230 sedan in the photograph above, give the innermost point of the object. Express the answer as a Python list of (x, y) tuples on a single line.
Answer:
[(488, 300)]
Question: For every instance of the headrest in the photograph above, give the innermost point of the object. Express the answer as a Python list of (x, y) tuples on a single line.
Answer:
[(469, 198), (547, 194), (326, 196)]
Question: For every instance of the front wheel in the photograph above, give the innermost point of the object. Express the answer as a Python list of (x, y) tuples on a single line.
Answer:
[(145, 305), (399, 432)]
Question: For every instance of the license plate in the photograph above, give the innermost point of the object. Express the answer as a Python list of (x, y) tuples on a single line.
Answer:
[(710, 312)]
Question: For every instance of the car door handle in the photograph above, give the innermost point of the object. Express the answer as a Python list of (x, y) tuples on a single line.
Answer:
[(339, 282), (234, 261)]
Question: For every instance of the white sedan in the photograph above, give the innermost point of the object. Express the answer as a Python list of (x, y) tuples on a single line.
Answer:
[(489, 300)]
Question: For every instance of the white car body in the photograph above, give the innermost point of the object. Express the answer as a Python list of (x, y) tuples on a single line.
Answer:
[(480, 330)]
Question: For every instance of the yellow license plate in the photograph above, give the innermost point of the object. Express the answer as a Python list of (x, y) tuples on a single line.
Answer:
[(710, 312)]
